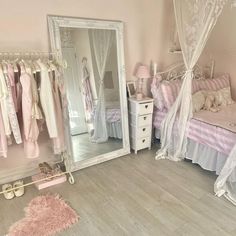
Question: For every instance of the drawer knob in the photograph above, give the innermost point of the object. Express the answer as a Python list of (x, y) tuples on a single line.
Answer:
[(146, 106), (144, 129), (143, 140), (144, 117)]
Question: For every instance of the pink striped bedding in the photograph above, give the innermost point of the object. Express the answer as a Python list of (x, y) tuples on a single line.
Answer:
[(113, 115), (213, 136), (170, 89)]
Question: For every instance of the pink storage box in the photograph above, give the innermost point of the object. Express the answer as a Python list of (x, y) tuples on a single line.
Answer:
[(48, 183)]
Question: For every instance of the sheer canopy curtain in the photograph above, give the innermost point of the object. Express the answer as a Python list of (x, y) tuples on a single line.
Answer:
[(101, 41), (195, 20), (226, 182)]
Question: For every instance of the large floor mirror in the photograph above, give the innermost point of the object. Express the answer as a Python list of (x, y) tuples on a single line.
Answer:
[(96, 118)]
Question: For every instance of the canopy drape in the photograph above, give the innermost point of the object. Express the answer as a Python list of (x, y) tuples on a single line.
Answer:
[(101, 42), (195, 20), (226, 182)]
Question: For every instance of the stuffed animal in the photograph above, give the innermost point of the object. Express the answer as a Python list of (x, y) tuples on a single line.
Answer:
[(211, 103)]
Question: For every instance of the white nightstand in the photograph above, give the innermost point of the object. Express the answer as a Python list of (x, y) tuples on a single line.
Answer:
[(140, 122)]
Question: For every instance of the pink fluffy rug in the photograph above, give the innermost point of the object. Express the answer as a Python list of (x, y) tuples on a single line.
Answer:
[(45, 216)]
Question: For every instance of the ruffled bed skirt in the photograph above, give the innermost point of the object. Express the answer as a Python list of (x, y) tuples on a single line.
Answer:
[(205, 156), (114, 129)]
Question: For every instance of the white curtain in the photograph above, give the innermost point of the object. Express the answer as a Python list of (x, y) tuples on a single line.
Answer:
[(195, 20), (226, 181), (101, 42)]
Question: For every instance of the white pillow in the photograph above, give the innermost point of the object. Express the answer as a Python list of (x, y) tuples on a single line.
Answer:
[(223, 97), (198, 101)]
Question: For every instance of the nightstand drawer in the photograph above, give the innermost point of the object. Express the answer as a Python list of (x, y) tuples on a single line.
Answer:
[(145, 108), (141, 131), (145, 120), (141, 108), (141, 143)]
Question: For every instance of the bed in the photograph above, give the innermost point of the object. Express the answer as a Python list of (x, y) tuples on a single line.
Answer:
[(211, 136), (209, 143), (113, 119)]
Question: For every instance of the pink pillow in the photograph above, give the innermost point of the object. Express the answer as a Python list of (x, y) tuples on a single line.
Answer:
[(218, 83), (170, 90)]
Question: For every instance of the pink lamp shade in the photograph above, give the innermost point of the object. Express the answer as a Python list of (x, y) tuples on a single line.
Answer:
[(143, 72)]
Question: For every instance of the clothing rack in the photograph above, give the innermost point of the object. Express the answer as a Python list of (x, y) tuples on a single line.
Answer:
[(25, 54), (70, 178), (34, 55)]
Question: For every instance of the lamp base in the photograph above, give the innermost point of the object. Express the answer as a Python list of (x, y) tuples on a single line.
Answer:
[(139, 96)]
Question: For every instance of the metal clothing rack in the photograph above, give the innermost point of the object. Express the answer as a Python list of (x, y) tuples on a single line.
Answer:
[(63, 64), (27, 54)]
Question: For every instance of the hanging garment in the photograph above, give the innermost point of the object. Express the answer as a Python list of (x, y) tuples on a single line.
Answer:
[(11, 76), (3, 103), (58, 142), (3, 139), (47, 101), (14, 125), (87, 91), (36, 111), (30, 126)]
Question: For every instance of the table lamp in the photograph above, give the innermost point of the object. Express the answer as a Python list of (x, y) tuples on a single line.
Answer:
[(142, 73)]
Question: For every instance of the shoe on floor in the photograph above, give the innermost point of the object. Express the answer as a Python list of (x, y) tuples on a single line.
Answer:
[(20, 189), (8, 194)]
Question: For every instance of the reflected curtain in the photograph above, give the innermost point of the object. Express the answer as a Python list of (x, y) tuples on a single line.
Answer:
[(87, 91), (101, 42), (195, 20)]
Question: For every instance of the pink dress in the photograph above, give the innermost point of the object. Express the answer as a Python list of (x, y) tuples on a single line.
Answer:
[(59, 141), (30, 126), (11, 107), (3, 138), (11, 76)]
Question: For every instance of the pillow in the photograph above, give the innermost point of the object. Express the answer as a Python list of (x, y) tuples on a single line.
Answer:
[(222, 81), (223, 97), (198, 100), (170, 90)]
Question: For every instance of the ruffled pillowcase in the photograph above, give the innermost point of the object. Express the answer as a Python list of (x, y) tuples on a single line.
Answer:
[(224, 97)]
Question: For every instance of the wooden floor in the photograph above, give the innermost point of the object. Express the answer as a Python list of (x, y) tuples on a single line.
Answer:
[(85, 149), (136, 195)]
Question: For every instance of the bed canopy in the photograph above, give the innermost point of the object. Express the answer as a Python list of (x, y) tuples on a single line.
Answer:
[(195, 20)]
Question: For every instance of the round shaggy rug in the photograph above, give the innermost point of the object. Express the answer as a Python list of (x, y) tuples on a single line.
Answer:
[(45, 216)]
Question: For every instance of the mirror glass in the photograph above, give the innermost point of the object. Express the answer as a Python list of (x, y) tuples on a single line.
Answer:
[(92, 85)]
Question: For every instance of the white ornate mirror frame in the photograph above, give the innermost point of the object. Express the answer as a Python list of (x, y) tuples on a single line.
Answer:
[(54, 24)]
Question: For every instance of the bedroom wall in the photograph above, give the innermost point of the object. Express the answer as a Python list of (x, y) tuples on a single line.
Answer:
[(24, 26), (221, 45)]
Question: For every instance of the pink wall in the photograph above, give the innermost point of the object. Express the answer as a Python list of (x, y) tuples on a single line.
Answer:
[(24, 26), (221, 45)]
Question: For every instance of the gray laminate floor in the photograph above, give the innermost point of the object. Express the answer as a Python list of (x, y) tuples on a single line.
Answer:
[(136, 195), (83, 148)]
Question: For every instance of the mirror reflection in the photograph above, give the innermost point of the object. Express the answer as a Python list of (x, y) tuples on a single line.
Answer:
[(92, 84)]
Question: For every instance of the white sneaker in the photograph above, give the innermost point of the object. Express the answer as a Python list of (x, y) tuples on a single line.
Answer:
[(9, 194), (20, 189)]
